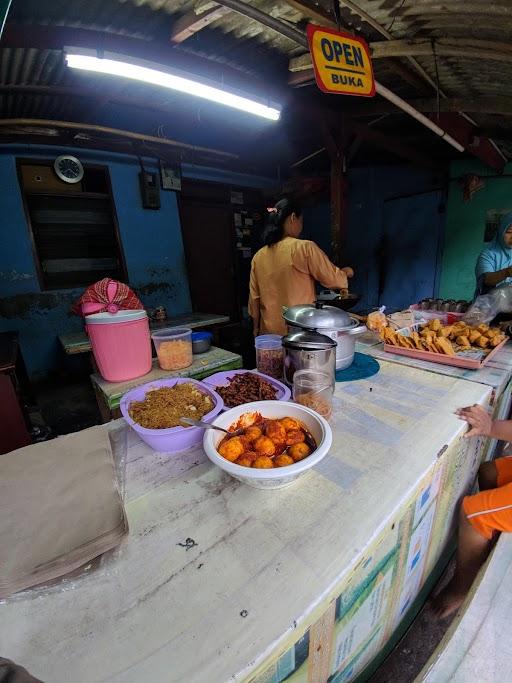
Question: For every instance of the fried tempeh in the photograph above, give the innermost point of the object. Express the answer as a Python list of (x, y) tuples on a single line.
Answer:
[(444, 346), (496, 340), (483, 342)]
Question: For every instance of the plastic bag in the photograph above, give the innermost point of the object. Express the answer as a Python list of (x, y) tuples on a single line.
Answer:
[(376, 321), (488, 306), (105, 563)]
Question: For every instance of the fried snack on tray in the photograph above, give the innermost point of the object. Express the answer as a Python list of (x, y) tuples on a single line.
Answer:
[(403, 341), (463, 342), (444, 346), (446, 339), (417, 341), (483, 342)]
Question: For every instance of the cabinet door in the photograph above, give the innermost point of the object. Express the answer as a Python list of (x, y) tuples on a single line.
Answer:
[(410, 249), (13, 430)]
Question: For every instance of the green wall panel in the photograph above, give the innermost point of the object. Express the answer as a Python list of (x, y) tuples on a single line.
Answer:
[(465, 226)]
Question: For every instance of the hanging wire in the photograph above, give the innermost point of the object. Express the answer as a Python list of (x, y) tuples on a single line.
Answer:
[(337, 12), (395, 16), (438, 95)]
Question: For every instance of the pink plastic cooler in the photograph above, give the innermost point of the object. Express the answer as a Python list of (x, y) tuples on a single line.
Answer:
[(121, 344)]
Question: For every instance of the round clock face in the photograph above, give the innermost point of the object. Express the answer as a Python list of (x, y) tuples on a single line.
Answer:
[(69, 169)]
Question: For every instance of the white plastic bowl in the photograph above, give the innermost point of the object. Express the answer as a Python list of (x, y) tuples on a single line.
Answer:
[(280, 476)]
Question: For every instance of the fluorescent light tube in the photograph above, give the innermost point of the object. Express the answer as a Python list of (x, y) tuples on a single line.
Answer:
[(167, 80)]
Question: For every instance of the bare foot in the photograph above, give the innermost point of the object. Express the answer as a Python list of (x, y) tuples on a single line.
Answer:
[(448, 601)]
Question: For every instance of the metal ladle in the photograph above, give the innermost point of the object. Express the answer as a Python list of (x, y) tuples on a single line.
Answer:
[(206, 425)]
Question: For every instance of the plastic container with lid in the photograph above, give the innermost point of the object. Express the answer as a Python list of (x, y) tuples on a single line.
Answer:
[(269, 355), (201, 342), (314, 390), (121, 344), (173, 347)]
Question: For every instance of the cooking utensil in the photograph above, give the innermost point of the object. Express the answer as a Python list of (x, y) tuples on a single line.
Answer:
[(345, 302), (205, 425), (331, 321), (308, 350)]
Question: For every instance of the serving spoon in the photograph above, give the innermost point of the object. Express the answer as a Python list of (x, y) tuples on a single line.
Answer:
[(206, 425)]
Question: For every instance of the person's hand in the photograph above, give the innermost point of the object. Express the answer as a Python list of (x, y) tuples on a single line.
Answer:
[(348, 271), (478, 419)]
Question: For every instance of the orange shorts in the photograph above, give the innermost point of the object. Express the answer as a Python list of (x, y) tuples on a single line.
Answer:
[(491, 511)]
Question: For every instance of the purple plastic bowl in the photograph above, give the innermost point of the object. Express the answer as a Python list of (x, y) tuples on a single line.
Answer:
[(221, 379), (173, 439)]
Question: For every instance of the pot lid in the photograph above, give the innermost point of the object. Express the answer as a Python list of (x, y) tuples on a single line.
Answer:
[(307, 340), (119, 317), (318, 317)]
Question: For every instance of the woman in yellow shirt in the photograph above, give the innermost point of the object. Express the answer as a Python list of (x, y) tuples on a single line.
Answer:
[(283, 273)]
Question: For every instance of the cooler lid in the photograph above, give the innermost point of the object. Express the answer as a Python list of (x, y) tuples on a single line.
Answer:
[(119, 317), (318, 317), (307, 340)]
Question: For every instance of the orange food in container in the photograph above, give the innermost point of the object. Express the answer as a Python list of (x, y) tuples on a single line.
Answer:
[(173, 347)]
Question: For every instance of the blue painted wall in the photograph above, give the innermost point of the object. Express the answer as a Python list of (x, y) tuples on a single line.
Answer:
[(151, 241), (368, 190)]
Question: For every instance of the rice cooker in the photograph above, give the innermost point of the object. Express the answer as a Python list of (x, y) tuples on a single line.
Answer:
[(328, 320), (308, 350)]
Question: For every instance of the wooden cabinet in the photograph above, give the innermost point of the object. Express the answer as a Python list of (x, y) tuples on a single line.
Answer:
[(14, 424)]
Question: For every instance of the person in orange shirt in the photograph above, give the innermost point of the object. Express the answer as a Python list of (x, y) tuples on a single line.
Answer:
[(284, 271), (482, 516)]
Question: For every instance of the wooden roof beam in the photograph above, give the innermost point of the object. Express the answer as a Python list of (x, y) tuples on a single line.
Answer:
[(445, 47), (189, 24), (322, 17), (353, 7), (442, 47), (483, 105), (394, 146)]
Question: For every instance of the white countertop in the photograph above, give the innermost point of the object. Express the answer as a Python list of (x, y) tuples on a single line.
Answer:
[(257, 563)]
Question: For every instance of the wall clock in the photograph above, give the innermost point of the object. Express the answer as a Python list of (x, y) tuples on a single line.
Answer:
[(68, 168)]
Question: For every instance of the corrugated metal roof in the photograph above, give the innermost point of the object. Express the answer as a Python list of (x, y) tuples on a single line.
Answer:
[(256, 49)]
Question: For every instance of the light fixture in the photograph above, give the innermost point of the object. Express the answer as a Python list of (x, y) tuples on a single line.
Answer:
[(164, 79)]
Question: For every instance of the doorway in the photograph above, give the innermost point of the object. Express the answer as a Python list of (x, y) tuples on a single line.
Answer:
[(208, 244), (410, 249)]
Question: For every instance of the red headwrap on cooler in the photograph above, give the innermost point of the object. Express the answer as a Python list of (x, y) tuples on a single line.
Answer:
[(106, 296)]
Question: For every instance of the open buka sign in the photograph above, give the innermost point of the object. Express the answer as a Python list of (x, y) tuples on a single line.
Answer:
[(342, 62)]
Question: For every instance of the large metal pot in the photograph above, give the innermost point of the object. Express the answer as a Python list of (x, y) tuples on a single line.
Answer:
[(307, 350), (330, 321)]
